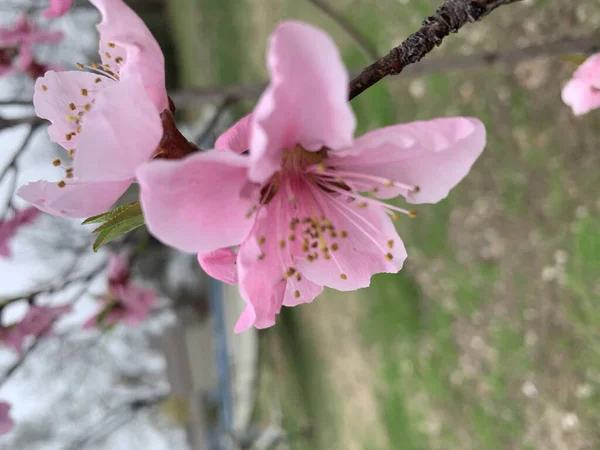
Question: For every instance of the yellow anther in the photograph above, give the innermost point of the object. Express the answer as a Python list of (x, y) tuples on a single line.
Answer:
[(111, 44), (61, 184), (394, 216), (44, 87), (261, 240), (87, 106), (68, 136), (107, 55), (389, 183), (70, 175), (118, 60), (70, 118), (343, 276), (80, 66), (297, 294), (390, 243), (389, 256), (416, 189), (84, 92), (292, 237), (321, 167), (282, 244), (362, 205), (344, 234), (412, 213), (298, 277), (97, 80), (334, 247), (56, 162), (72, 106)]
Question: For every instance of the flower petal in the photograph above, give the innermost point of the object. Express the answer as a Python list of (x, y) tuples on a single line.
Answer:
[(581, 96), (220, 264), (306, 102), (121, 131), (57, 8), (236, 138), (76, 199), (196, 204), (128, 47), (365, 243), (432, 155), (58, 98)]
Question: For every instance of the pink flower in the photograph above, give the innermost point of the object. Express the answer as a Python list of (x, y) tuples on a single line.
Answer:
[(305, 206), (108, 119), (39, 319), (57, 8), (125, 302), (12, 337), (9, 228), (6, 422), (23, 33), (582, 92)]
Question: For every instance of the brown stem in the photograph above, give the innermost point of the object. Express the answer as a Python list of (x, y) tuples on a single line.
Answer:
[(449, 18)]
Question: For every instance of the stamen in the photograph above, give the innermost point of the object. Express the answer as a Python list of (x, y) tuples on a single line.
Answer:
[(79, 65), (261, 240), (56, 162), (44, 87), (72, 106), (343, 276), (297, 294), (390, 243), (61, 184), (84, 92), (111, 44), (389, 256)]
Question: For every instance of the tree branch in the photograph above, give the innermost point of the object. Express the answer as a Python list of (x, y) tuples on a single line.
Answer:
[(449, 18)]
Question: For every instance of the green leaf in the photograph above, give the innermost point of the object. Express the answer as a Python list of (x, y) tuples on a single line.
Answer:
[(134, 210), (116, 228), (110, 214)]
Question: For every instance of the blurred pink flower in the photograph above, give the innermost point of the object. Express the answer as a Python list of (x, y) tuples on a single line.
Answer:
[(108, 119), (9, 228), (6, 422), (12, 336), (124, 302), (24, 33), (38, 320), (57, 8), (582, 92), (305, 206)]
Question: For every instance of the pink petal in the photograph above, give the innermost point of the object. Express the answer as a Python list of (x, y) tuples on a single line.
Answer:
[(55, 92), (246, 320), (12, 337), (118, 267), (122, 131), (76, 199), (124, 35), (6, 422), (306, 102), (589, 71), (220, 264), (262, 266), (236, 138), (432, 155), (196, 204), (57, 8), (581, 96), (370, 236)]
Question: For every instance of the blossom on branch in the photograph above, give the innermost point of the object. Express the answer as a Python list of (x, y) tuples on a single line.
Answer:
[(8, 228), (582, 92), (305, 208), (125, 301), (108, 118)]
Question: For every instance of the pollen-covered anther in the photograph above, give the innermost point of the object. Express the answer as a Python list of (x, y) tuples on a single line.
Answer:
[(61, 184), (56, 162), (69, 175), (343, 234), (107, 55), (261, 240), (416, 190), (97, 80), (389, 183), (72, 106), (412, 213), (390, 243), (362, 205), (292, 237), (111, 44), (334, 247), (71, 153), (80, 66), (282, 243), (297, 294), (84, 92), (44, 87), (298, 277), (118, 59), (389, 256), (289, 273), (343, 276)]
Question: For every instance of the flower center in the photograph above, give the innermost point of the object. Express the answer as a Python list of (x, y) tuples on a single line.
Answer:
[(297, 160)]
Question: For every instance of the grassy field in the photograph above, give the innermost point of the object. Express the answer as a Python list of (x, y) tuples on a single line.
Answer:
[(490, 336)]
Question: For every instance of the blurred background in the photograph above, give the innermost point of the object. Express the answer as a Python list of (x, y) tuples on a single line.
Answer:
[(489, 338)]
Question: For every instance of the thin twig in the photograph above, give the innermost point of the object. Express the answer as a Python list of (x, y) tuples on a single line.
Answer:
[(16, 103), (9, 123), (351, 30), (214, 121), (449, 18)]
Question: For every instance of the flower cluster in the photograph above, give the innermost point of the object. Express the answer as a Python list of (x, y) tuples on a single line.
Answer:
[(125, 301), (288, 201), (8, 228)]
